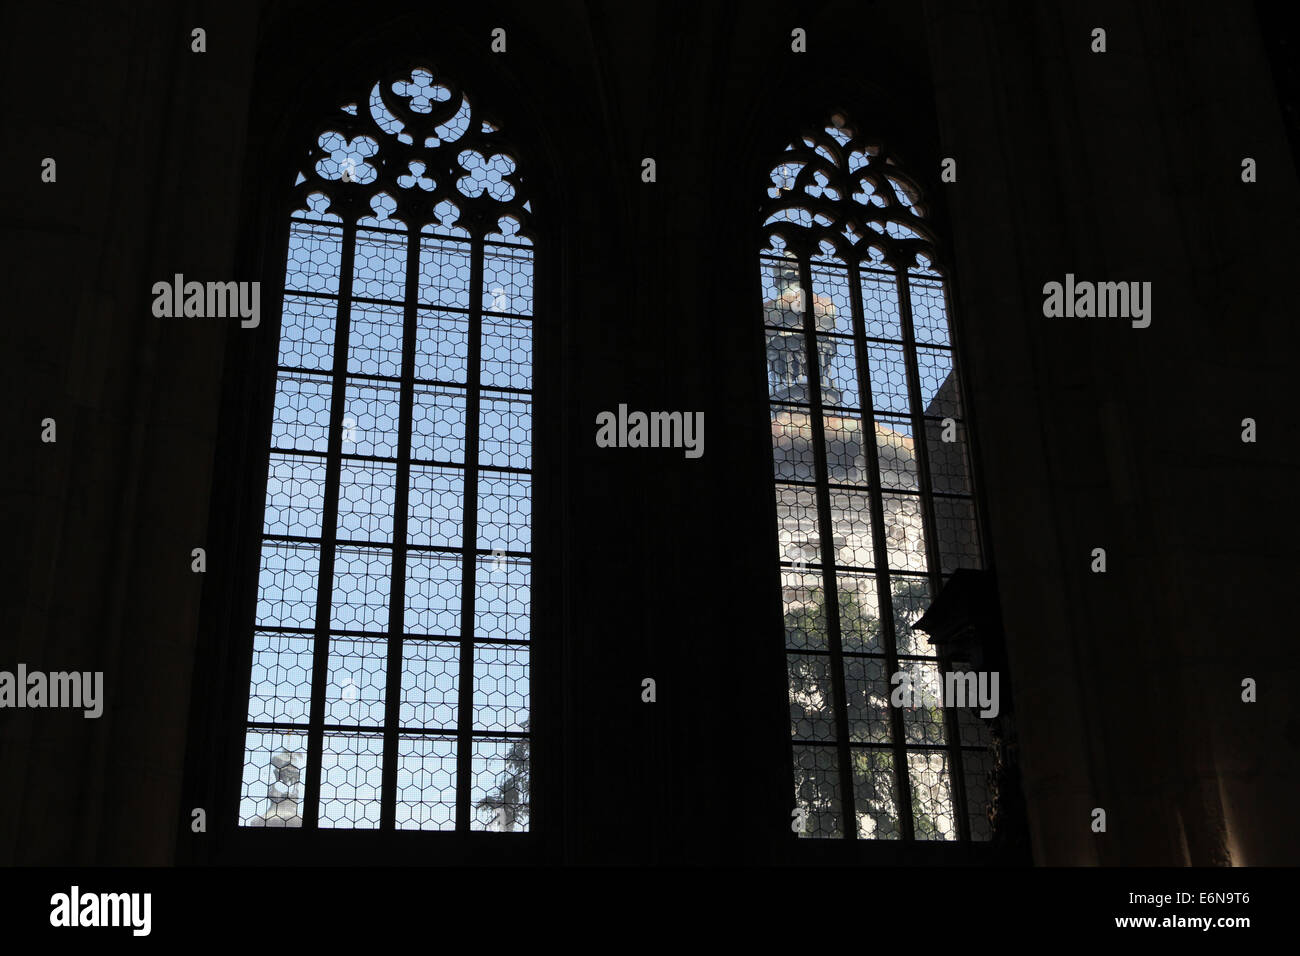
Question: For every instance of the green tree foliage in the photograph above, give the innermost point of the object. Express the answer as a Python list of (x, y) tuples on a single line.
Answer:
[(812, 717), (511, 793)]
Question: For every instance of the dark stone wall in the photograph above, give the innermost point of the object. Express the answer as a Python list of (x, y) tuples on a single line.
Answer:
[(1094, 434), (1123, 165)]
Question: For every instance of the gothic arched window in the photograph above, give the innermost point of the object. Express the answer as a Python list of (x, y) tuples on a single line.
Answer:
[(873, 493), (390, 661)]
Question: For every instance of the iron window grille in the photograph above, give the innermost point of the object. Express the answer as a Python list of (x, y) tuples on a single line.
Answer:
[(873, 492), (390, 676)]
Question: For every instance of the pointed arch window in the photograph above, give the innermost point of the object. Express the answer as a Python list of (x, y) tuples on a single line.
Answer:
[(389, 685), (873, 492)]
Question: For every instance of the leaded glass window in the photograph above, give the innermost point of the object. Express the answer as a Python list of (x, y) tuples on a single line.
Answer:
[(873, 492), (390, 673)]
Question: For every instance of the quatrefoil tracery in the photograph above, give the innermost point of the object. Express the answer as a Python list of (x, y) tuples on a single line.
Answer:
[(836, 194), (417, 153)]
